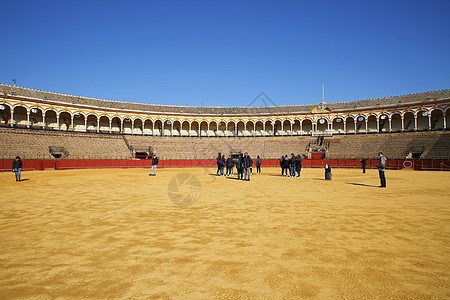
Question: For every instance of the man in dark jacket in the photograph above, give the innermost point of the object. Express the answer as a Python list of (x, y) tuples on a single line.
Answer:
[(363, 165), (155, 162), (240, 166), (298, 166), (218, 163), (292, 164), (17, 167), (230, 166), (247, 165)]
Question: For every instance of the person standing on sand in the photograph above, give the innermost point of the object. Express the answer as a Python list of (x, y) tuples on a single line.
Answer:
[(258, 165), (155, 162), (240, 166), (381, 169), (247, 165), (17, 167), (327, 172), (363, 165), (298, 166)]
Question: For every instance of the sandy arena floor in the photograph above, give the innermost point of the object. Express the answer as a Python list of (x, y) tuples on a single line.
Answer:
[(116, 234)]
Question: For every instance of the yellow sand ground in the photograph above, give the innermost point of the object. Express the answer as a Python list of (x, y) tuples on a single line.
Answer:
[(116, 234)]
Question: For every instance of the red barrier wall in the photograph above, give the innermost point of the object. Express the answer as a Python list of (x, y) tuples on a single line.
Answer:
[(6, 165)]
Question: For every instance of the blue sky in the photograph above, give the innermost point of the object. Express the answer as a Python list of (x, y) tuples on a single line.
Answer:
[(224, 53)]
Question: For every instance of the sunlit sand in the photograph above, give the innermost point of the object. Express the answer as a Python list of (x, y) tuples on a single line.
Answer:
[(116, 234)]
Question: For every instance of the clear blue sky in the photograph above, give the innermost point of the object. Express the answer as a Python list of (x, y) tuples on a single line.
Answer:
[(222, 53)]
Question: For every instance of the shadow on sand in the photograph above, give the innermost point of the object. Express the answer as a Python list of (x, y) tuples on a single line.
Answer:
[(362, 184)]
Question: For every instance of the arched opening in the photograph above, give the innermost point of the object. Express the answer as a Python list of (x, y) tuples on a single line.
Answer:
[(212, 129), (221, 128), (5, 115), (250, 128), (338, 126), (437, 120), (185, 128), (350, 125), (194, 128), (277, 131), (408, 121), (322, 125), (20, 116), (259, 128), (383, 123), (396, 122), (116, 125), (372, 124), (65, 121), (240, 128), (36, 118), (422, 120), (204, 129), (176, 128), (137, 127), (296, 127), (307, 126), (269, 128), (446, 118), (104, 124), (50, 120), (92, 123), (360, 124), (158, 128), (167, 128), (287, 127), (231, 128)]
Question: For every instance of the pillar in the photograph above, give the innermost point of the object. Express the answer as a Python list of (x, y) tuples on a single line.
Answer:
[(28, 119)]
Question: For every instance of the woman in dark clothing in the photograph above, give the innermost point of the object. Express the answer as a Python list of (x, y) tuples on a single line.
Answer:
[(327, 172), (298, 166), (218, 164), (17, 167), (230, 165), (258, 165), (282, 165)]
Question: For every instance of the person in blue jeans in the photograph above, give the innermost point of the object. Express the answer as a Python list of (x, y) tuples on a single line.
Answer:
[(17, 167), (155, 162), (381, 169), (292, 164)]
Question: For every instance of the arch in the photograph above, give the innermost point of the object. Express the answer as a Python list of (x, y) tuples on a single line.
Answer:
[(65, 121), (423, 119), (176, 131), (277, 131), (116, 124), (307, 126), (383, 123), (396, 122), (148, 127), (194, 128), (240, 126), (51, 120), (350, 125), (221, 128), (268, 128), (20, 116), (185, 128), (259, 128), (36, 118), (287, 127), (167, 127), (231, 128), (212, 128), (138, 126), (338, 125), (360, 124), (322, 125), (372, 123), (158, 128), (408, 121), (91, 123), (437, 119), (78, 122), (249, 128), (104, 124), (5, 114), (204, 129)]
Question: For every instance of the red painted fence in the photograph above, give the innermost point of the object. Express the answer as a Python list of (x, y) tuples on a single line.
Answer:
[(5, 165)]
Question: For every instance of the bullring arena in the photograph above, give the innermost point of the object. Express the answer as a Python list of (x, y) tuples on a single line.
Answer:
[(87, 221)]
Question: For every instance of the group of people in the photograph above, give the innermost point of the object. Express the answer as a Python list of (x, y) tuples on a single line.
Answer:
[(293, 165), (243, 163)]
